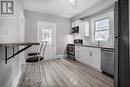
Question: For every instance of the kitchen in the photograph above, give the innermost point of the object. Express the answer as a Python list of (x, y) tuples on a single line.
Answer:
[(91, 46), (86, 43)]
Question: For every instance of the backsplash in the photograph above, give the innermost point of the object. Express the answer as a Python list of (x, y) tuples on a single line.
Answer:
[(88, 41)]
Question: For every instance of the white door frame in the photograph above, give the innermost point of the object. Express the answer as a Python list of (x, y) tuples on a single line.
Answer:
[(22, 36), (54, 38)]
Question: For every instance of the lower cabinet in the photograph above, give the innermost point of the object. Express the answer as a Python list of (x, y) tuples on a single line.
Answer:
[(89, 55)]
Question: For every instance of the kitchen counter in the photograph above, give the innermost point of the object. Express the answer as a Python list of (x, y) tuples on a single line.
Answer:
[(94, 46), (19, 44)]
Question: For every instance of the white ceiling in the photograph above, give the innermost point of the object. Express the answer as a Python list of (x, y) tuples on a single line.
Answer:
[(62, 7)]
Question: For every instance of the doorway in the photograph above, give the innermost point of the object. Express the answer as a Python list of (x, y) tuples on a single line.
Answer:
[(47, 32)]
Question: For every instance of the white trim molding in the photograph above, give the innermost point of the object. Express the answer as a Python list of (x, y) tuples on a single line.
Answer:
[(61, 56), (17, 78)]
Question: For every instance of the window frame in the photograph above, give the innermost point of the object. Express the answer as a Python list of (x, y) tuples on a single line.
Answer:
[(109, 15), (103, 18), (50, 41)]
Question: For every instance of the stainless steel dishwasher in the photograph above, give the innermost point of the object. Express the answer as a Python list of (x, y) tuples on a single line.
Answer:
[(107, 60)]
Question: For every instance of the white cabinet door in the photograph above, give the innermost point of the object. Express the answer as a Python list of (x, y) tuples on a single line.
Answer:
[(85, 55), (77, 52), (94, 57), (84, 28), (81, 54), (89, 55), (76, 23), (73, 24)]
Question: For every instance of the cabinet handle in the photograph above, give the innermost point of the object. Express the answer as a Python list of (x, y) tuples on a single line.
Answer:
[(90, 54)]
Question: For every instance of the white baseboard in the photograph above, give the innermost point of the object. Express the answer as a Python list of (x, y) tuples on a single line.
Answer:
[(61, 56), (17, 78)]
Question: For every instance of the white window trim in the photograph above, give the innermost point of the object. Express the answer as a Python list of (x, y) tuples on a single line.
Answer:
[(95, 30), (109, 15)]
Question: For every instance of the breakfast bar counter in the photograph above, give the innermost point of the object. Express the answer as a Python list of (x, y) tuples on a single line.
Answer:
[(18, 44)]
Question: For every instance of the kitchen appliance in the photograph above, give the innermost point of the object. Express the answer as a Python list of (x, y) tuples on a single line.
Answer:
[(71, 51), (71, 48), (75, 30), (107, 60), (78, 41), (122, 58)]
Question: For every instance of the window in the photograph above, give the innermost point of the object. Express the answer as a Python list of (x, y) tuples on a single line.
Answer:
[(45, 32), (46, 35), (101, 29)]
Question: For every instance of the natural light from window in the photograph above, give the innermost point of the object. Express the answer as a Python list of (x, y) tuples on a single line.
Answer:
[(46, 35), (102, 30)]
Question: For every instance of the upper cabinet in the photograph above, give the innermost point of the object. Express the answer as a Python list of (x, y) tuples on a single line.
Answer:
[(84, 28), (81, 26), (76, 23)]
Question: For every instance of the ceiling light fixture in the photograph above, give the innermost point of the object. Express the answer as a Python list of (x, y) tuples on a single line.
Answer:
[(73, 3)]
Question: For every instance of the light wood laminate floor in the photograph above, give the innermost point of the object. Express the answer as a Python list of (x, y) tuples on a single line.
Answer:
[(62, 73)]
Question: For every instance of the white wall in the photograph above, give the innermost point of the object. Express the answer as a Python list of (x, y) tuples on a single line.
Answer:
[(63, 27), (9, 32)]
